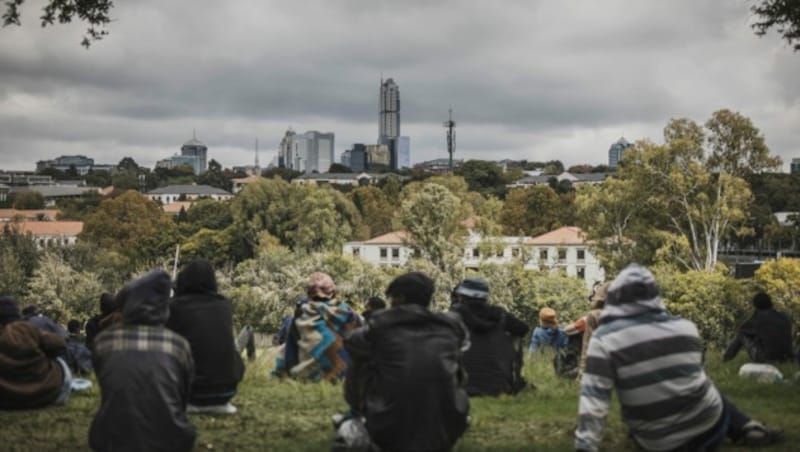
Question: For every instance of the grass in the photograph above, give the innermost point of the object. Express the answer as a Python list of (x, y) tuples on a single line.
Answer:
[(286, 415)]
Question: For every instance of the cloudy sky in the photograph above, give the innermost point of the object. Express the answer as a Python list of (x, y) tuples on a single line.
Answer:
[(532, 79)]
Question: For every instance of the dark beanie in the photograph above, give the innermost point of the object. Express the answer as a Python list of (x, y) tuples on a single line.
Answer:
[(9, 310), (412, 288), (107, 304), (762, 301)]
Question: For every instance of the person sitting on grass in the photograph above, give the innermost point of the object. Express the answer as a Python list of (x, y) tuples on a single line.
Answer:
[(314, 350), (494, 359), (655, 363), (205, 319), (406, 379), (31, 373), (548, 333), (145, 372), (34, 315), (766, 335), (79, 358)]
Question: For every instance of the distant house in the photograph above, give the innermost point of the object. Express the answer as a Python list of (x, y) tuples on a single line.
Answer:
[(786, 218), (53, 193), (565, 249), (50, 233), (386, 249), (41, 214), (172, 193), (4, 189), (351, 179), (575, 179)]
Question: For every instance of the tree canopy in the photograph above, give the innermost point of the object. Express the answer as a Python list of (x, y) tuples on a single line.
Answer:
[(782, 15), (95, 13)]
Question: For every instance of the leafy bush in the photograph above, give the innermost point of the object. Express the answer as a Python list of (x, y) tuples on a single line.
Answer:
[(780, 278), (62, 292)]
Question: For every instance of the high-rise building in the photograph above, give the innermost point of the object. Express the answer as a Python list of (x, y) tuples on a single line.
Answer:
[(378, 157), (356, 158), (307, 152), (198, 150), (616, 152), (794, 167), (389, 121), (287, 150)]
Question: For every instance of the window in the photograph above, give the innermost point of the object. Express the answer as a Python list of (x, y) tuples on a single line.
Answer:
[(395, 253), (582, 272), (501, 253), (542, 255), (514, 252), (384, 253), (356, 251), (581, 255), (476, 252), (562, 254)]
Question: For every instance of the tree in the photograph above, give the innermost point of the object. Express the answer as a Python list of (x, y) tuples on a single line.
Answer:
[(783, 15), (737, 147), (376, 211), (96, 14), (24, 200), (215, 177), (530, 211), (128, 164), (431, 218), (339, 168), (131, 225), (483, 176)]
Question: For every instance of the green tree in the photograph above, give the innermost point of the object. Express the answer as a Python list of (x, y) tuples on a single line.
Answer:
[(95, 13), (63, 292), (431, 218), (782, 15), (737, 146), (530, 211), (781, 279), (483, 176), (339, 168), (215, 177), (376, 211), (131, 225), (28, 200)]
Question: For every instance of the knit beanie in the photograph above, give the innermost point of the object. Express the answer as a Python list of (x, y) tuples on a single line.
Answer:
[(634, 284), (548, 317), (320, 286), (9, 310), (762, 301)]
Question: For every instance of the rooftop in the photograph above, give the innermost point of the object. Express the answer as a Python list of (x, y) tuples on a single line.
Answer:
[(565, 235), (28, 213), (50, 227), (200, 190), (391, 238), (56, 191), (174, 208)]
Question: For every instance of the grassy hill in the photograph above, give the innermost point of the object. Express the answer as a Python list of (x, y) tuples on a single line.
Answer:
[(286, 415)]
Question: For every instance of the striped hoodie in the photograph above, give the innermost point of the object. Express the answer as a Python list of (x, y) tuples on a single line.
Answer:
[(654, 361)]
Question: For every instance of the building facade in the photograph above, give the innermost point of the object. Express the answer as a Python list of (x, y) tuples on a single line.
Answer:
[(389, 118), (308, 152), (173, 193), (197, 150), (794, 167), (617, 151), (81, 163), (51, 233)]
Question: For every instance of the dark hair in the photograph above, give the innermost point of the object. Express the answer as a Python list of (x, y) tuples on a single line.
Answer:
[(196, 278), (411, 288), (74, 326), (30, 311), (374, 303), (107, 304), (762, 300)]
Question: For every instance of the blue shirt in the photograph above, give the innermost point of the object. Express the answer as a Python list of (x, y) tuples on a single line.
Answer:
[(547, 336)]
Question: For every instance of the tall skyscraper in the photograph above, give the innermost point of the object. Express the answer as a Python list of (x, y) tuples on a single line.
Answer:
[(389, 121), (286, 150), (198, 150), (616, 152)]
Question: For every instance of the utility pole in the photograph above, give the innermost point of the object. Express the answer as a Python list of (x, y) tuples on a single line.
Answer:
[(451, 137)]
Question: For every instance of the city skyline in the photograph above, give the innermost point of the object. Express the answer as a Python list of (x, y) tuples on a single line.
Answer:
[(522, 85)]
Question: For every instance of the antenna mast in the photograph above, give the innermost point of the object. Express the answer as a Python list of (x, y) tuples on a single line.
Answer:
[(451, 137)]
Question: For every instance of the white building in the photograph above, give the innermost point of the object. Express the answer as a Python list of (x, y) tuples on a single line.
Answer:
[(172, 193), (51, 233), (564, 249)]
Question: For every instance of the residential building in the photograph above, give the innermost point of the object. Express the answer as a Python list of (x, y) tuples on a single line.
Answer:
[(28, 214), (174, 208), (198, 150), (386, 249), (438, 166), (565, 249), (24, 178), (574, 179), (173, 193), (617, 151), (786, 218), (351, 179), (794, 167), (4, 190), (51, 233), (53, 193)]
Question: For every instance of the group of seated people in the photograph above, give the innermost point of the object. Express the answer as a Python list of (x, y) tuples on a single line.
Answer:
[(407, 372)]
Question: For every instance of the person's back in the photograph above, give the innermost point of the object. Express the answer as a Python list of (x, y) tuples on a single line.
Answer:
[(30, 375), (493, 361), (35, 316), (205, 319), (412, 395), (145, 372), (766, 335), (548, 334)]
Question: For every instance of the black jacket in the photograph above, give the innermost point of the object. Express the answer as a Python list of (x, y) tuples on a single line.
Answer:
[(493, 361), (144, 371), (407, 362), (767, 335), (205, 319)]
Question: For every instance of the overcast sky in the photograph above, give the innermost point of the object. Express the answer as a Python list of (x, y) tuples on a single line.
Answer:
[(526, 79)]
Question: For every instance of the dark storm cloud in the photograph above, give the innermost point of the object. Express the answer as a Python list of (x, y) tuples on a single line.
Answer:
[(532, 79)]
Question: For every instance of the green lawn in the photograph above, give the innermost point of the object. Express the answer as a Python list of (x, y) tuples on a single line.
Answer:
[(275, 415)]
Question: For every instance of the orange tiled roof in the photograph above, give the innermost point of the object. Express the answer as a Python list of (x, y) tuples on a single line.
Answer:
[(566, 235), (391, 238), (51, 227), (32, 214), (175, 207)]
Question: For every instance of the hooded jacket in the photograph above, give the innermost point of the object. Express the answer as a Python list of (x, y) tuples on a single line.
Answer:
[(30, 377), (205, 319), (144, 371), (491, 360), (410, 362), (768, 334)]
